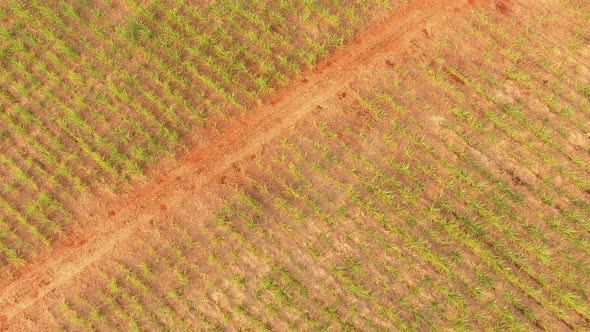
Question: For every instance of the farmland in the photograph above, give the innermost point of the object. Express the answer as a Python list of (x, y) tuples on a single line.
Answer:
[(311, 166), (90, 101)]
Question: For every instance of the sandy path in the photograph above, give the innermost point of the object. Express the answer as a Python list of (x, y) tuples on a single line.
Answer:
[(238, 140)]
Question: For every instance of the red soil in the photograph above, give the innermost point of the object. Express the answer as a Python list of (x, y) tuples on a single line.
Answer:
[(115, 220)]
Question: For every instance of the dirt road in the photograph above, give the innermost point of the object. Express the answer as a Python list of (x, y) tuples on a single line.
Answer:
[(122, 217)]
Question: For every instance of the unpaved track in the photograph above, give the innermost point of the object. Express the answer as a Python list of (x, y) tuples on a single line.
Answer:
[(241, 138)]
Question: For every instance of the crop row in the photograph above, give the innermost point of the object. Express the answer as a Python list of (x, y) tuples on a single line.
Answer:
[(88, 103)]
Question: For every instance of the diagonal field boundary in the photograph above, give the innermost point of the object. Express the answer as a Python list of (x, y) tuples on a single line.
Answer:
[(239, 139)]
